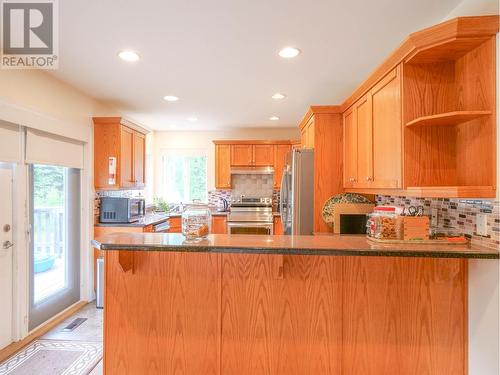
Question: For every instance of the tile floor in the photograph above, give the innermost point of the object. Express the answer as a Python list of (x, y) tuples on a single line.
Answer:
[(89, 330)]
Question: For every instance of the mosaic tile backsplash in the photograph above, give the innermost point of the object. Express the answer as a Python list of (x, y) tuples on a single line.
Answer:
[(214, 197), (457, 214), (252, 185)]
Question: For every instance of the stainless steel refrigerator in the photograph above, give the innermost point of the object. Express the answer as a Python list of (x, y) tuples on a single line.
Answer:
[(297, 192)]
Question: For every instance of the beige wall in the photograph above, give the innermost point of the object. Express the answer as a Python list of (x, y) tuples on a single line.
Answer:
[(56, 106), (474, 8), (198, 140)]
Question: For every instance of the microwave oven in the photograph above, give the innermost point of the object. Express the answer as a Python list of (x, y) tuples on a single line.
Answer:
[(121, 210)]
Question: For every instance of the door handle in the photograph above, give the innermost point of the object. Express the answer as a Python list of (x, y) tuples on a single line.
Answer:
[(7, 245)]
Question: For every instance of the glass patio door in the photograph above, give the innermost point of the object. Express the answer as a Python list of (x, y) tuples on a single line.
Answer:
[(54, 241)]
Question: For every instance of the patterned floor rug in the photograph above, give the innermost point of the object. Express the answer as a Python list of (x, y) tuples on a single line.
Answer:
[(54, 357)]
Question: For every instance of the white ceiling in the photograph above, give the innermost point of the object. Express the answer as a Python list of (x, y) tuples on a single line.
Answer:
[(220, 56)]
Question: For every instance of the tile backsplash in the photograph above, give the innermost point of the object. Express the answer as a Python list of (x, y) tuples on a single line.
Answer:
[(214, 197), (458, 214), (253, 185)]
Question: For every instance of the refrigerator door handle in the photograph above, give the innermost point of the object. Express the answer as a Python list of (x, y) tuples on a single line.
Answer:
[(283, 189)]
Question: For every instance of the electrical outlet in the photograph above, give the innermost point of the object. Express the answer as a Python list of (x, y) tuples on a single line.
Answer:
[(481, 225), (434, 218)]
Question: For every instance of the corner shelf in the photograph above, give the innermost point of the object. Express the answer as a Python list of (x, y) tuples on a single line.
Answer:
[(448, 118)]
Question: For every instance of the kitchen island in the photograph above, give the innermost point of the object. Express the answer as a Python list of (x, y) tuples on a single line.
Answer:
[(284, 305)]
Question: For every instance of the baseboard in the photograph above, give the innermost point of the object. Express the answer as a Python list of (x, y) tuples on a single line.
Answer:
[(9, 350)]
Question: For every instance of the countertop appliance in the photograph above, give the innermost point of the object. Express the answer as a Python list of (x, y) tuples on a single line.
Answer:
[(251, 215), (297, 193), (121, 210)]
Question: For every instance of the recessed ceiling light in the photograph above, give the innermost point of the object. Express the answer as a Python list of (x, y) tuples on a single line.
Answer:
[(289, 52), (274, 118), (171, 98), (278, 96), (127, 55), (192, 118)]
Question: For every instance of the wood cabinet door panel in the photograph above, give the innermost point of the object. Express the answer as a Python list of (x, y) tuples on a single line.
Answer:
[(138, 338), (281, 315), (303, 137), (280, 152), (364, 130), (263, 155), (278, 227), (219, 224), (407, 314), (310, 134), (106, 144), (223, 166), (175, 224), (387, 129), (241, 155), (350, 148), (126, 157), (139, 159)]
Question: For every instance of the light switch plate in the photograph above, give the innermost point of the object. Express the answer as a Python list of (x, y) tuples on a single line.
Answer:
[(481, 225)]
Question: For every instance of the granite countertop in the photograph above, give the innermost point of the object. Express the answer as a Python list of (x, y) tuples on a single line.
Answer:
[(214, 212), (150, 219), (334, 245)]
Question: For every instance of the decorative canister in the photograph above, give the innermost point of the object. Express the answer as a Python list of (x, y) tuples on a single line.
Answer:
[(196, 221)]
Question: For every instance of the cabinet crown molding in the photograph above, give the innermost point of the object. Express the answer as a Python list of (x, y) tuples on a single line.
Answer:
[(122, 121)]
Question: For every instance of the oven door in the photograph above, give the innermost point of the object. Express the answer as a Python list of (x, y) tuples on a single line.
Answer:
[(250, 228)]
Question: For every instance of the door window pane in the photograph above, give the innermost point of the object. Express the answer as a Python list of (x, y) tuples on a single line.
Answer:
[(49, 231)]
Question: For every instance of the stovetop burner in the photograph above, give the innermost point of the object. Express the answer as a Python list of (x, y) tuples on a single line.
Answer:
[(252, 202)]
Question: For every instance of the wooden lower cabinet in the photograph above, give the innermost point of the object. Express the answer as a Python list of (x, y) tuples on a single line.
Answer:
[(278, 227), (219, 224), (280, 315), (227, 314), (162, 317), (408, 314), (175, 224)]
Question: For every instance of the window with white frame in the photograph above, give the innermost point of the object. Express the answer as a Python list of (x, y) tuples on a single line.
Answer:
[(184, 175)]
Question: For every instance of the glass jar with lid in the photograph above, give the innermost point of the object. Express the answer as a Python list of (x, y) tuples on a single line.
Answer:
[(383, 223), (196, 220)]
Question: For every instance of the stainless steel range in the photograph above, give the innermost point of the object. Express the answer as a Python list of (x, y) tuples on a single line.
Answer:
[(251, 215)]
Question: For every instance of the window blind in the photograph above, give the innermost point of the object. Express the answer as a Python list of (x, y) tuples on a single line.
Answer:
[(10, 142), (46, 148)]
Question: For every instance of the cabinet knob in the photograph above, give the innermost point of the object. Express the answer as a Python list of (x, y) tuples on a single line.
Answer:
[(352, 179), (368, 178)]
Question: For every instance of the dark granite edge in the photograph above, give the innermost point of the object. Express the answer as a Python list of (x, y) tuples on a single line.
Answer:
[(134, 224), (329, 252)]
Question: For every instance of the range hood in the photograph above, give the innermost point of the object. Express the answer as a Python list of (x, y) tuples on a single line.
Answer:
[(252, 170)]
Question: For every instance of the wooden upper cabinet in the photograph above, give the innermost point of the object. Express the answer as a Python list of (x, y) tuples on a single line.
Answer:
[(386, 130), (241, 155), (432, 115), (139, 159), (372, 127), (223, 166), (112, 139), (350, 148), (364, 129), (307, 134), (303, 137), (126, 157), (248, 155), (310, 134), (263, 155), (280, 152)]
